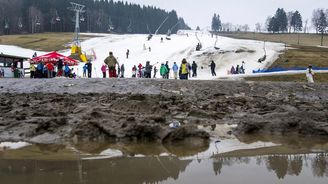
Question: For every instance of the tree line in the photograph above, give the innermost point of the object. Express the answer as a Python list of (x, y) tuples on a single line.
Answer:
[(101, 16), (281, 22)]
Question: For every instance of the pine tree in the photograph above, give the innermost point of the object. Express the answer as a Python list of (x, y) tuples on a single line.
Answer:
[(296, 21)]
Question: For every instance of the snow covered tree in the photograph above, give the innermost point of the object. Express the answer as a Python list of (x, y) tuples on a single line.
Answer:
[(296, 21)]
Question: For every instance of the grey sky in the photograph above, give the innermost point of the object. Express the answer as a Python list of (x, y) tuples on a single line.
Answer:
[(200, 12)]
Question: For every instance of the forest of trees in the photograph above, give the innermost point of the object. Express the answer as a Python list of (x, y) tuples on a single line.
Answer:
[(33, 16)]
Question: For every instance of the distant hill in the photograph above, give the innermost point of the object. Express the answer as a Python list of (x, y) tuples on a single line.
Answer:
[(101, 16)]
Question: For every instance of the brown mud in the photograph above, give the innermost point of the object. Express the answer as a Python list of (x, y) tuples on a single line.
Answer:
[(59, 110)]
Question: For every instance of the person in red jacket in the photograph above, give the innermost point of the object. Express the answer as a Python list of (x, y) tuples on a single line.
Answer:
[(50, 69)]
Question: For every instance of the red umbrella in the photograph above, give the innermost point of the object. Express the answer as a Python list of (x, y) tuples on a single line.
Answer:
[(53, 57)]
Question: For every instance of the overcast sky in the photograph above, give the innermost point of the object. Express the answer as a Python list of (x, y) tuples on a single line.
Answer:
[(200, 12)]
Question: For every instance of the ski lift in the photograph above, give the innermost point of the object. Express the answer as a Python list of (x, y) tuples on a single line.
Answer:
[(169, 32), (57, 17), (6, 25), (129, 29), (82, 19), (37, 21)]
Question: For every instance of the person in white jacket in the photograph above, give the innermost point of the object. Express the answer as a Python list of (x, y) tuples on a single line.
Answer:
[(310, 74)]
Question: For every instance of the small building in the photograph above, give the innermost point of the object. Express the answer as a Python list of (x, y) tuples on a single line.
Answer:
[(9, 64)]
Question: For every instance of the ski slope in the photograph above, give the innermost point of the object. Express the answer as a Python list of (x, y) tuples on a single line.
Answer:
[(180, 46)]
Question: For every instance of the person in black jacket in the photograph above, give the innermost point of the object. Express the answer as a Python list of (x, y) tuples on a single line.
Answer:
[(194, 69), (148, 70), (213, 68), (89, 65)]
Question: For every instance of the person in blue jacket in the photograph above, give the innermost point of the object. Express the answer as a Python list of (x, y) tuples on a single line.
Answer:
[(175, 69)]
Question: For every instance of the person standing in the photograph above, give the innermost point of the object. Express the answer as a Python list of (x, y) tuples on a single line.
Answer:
[(104, 70), (310, 74), (168, 70), (175, 69), (148, 70), (60, 65), (39, 70), (134, 71), (85, 68), (127, 54), (140, 70), (122, 70), (111, 63), (184, 70), (155, 72), (163, 71), (50, 69), (67, 70), (89, 65), (32, 70), (242, 68), (194, 69), (213, 68)]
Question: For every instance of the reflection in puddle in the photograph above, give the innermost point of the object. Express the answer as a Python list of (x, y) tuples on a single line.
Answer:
[(192, 161)]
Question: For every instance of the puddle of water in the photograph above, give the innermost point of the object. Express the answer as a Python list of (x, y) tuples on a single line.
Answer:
[(253, 161)]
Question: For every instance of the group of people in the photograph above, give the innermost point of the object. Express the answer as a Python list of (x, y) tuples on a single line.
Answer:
[(185, 71), (50, 70), (239, 69)]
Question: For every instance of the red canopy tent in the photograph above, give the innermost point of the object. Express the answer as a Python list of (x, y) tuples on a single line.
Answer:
[(53, 57)]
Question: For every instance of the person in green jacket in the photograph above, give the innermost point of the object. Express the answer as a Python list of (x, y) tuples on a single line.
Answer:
[(163, 71)]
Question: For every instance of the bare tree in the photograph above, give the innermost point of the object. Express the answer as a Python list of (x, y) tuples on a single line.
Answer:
[(258, 27), (316, 19), (289, 19)]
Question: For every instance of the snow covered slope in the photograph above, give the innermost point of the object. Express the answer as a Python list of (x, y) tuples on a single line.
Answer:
[(180, 46)]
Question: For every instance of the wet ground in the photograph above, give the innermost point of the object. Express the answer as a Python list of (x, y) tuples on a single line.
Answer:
[(119, 131), (290, 161), (61, 110)]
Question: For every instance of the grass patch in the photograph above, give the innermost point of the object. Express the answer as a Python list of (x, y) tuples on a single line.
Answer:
[(318, 78), (40, 41), (291, 39)]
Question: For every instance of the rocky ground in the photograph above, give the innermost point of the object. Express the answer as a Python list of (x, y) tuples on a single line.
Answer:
[(57, 110)]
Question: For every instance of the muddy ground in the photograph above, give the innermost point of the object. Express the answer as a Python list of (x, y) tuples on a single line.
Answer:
[(53, 111)]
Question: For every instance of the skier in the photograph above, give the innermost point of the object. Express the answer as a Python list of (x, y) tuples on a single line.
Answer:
[(148, 70), (122, 70), (89, 64), (118, 71), (310, 74), (111, 62), (163, 71), (149, 48), (155, 72), (104, 69), (175, 69), (194, 69), (39, 70), (189, 69), (144, 47), (127, 54), (184, 70), (213, 68), (162, 39)]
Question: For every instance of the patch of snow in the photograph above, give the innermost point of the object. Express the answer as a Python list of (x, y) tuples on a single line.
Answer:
[(13, 145), (180, 46)]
